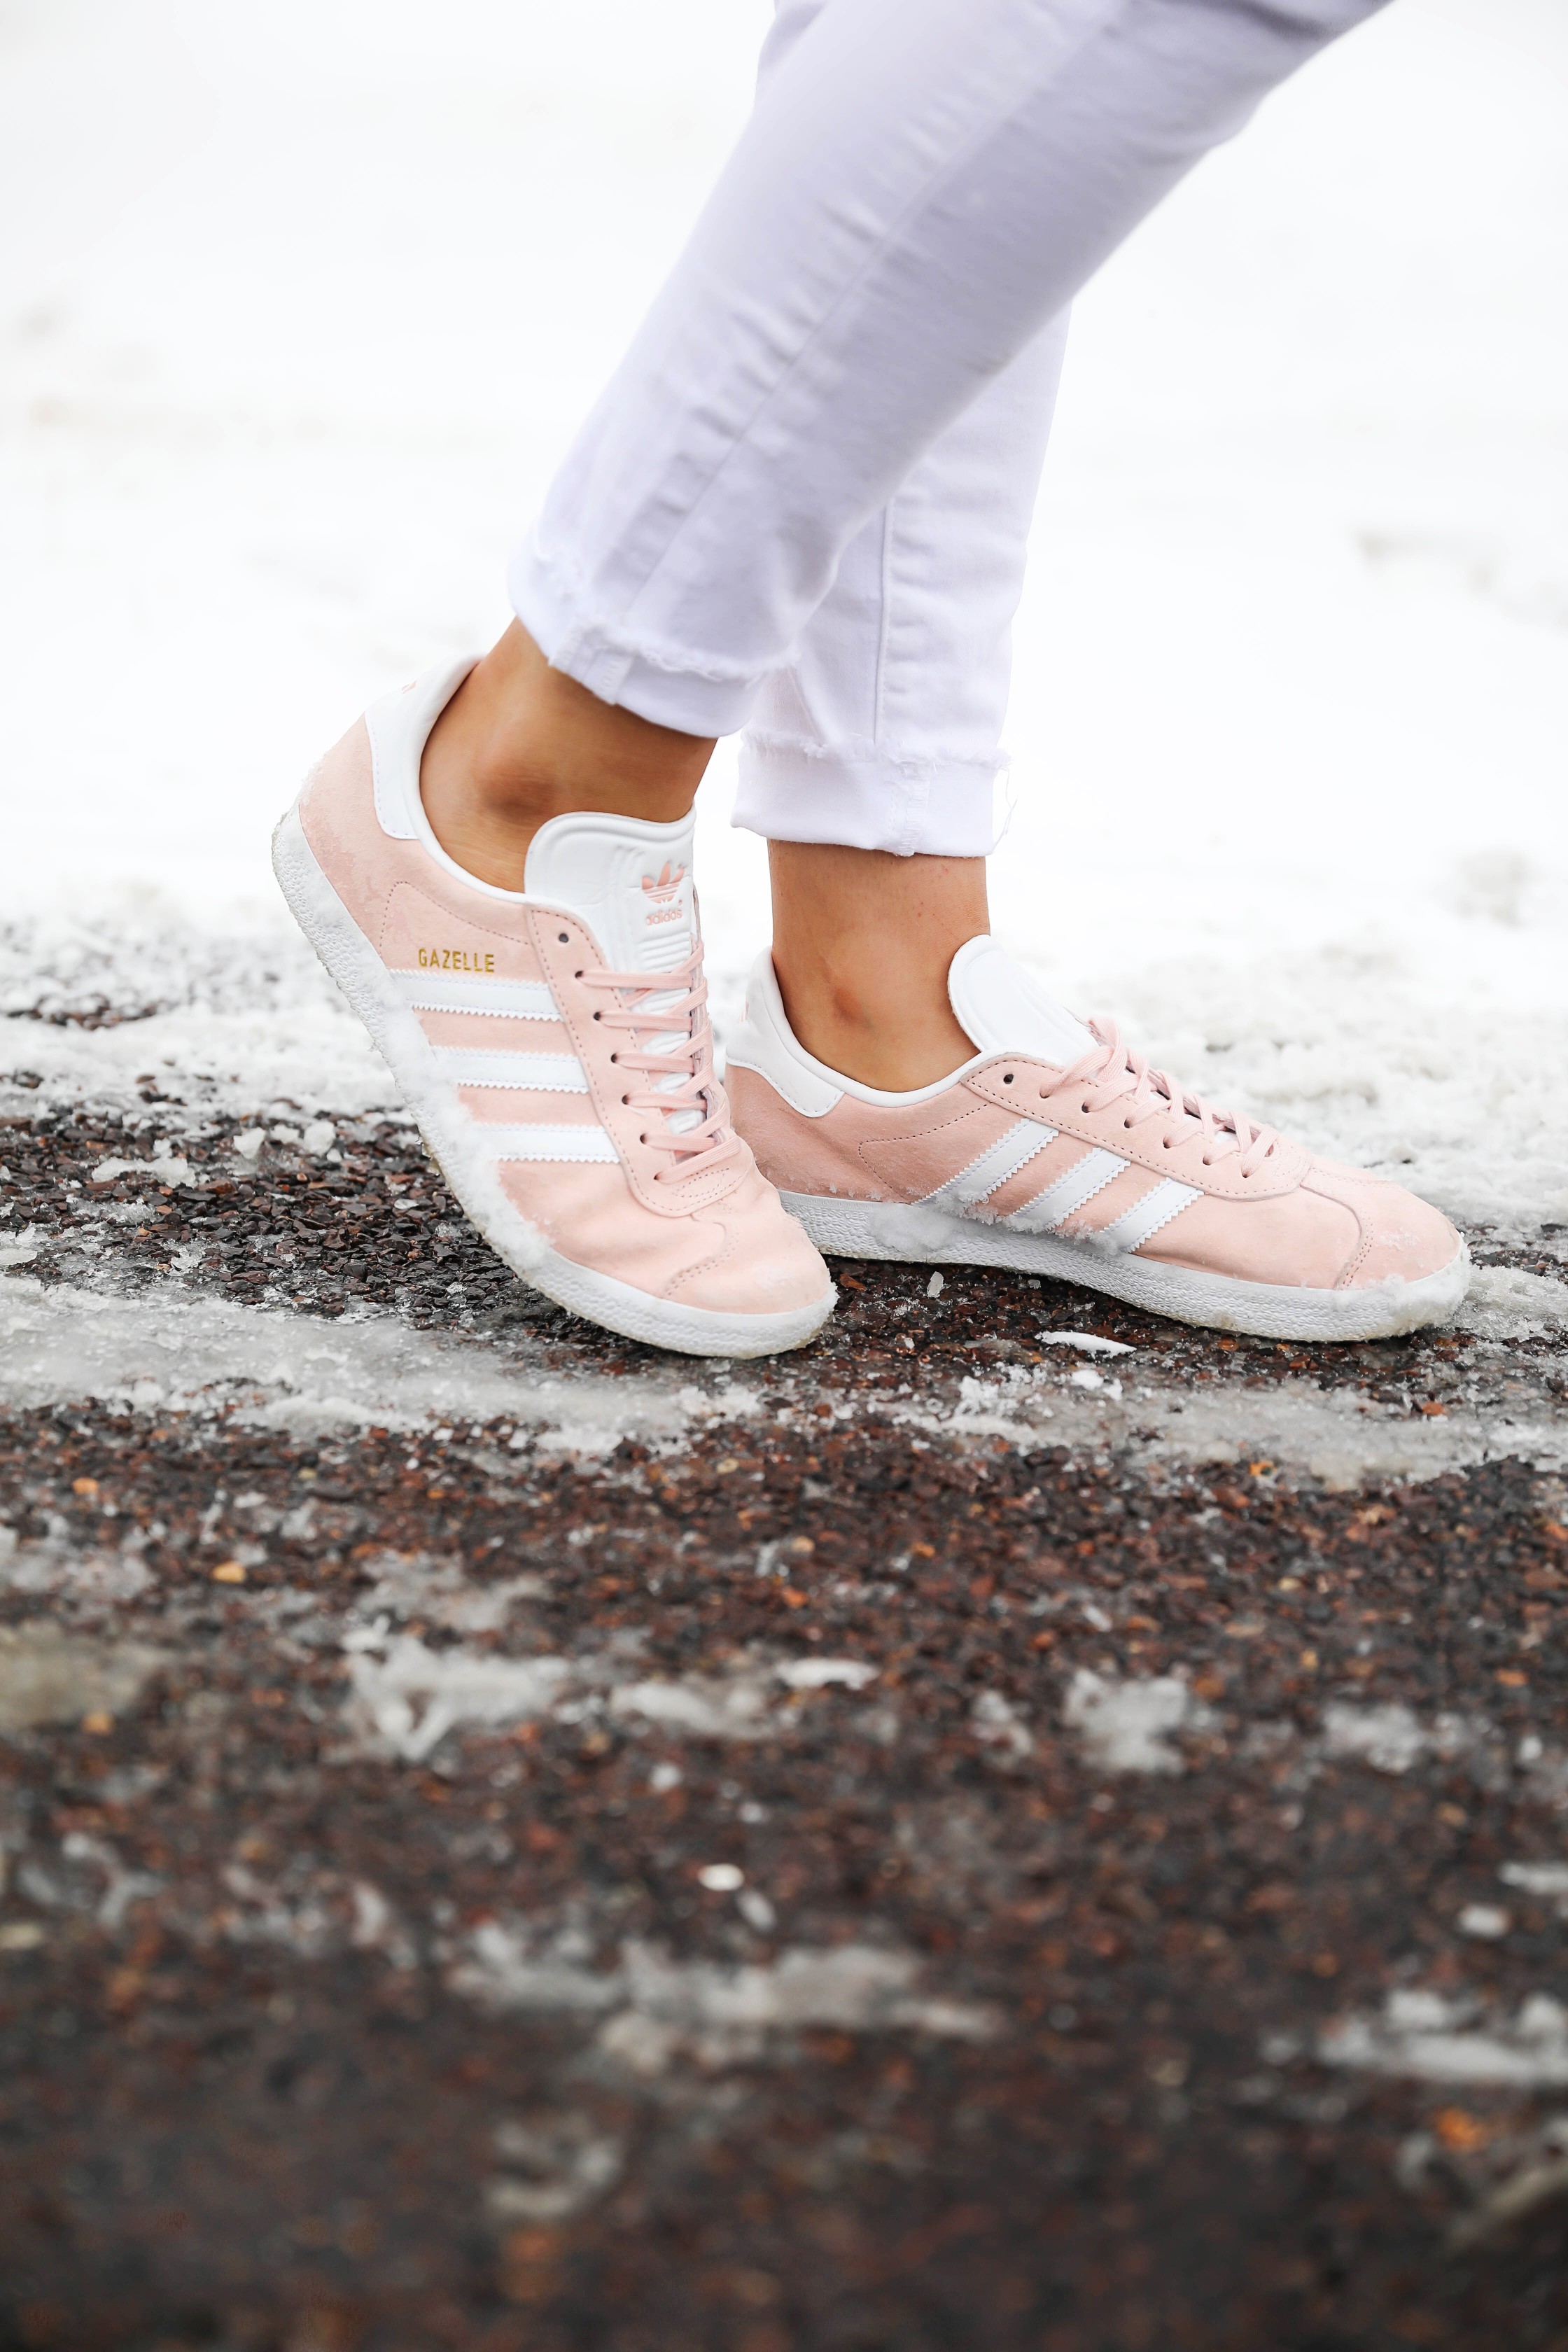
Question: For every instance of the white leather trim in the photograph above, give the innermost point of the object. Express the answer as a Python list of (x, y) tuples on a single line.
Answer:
[(551, 1074), (1004, 1008), (1001, 1159), (607, 870), (524, 1000), (1091, 1175), (525, 1143), (1145, 1218), (399, 728)]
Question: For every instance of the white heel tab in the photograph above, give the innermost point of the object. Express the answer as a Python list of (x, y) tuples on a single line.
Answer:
[(399, 725), (1002, 1008), (765, 1042), (628, 879)]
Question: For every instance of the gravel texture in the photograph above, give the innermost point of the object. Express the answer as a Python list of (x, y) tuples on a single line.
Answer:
[(903, 1854)]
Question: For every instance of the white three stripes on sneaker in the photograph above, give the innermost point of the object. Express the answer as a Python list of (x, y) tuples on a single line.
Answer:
[(1145, 1218), (524, 1000), (1069, 1193), (551, 1074), (1050, 1209), (482, 1066), (531, 1142), (991, 1170)]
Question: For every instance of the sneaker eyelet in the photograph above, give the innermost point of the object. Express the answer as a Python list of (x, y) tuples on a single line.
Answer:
[(564, 937), (598, 1016), (576, 975), (1007, 1079), (625, 1102)]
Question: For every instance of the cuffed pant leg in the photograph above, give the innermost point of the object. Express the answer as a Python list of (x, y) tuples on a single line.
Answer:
[(921, 190), (884, 729)]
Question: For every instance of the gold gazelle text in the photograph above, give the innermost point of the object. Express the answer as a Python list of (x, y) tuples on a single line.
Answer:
[(454, 960)]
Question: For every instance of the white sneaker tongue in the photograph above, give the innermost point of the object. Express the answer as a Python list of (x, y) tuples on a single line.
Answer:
[(1005, 1010), (630, 883)]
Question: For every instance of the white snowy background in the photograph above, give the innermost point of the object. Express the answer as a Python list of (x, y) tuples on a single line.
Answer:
[(298, 306)]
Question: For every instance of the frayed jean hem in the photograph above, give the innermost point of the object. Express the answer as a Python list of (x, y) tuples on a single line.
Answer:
[(656, 682), (864, 800)]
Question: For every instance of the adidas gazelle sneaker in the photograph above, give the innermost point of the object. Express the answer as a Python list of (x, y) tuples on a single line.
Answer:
[(553, 1044), (1058, 1151)]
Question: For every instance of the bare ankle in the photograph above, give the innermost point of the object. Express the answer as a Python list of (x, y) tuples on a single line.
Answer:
[(520, 743), (862, 942), (896, 1048)]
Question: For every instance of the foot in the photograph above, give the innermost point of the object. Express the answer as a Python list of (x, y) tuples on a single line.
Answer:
[(553, 1044), (1058, 1150)]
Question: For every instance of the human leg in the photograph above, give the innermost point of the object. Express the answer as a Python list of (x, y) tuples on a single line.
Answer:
[(862, 943), (339, 861), (903, 166), (882, 737), (920, 191), (808, 502), (887, 721), (914, 1095)]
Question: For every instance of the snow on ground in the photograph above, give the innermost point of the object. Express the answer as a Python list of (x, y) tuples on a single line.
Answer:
[(169, 1349), (297, 330), (174, 1352)]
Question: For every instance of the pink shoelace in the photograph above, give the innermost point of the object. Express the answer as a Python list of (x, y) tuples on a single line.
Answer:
[(1111, 1072), (709, 1142)]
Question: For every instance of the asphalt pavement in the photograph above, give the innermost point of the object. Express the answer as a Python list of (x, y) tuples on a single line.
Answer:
[(1020, 1828)]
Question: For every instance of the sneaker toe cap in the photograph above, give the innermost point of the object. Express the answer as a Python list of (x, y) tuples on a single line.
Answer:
[(1404, 1239), (762, 1263)]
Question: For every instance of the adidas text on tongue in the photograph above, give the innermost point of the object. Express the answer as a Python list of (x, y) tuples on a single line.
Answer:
[(555, 1045), (1059, 1150)]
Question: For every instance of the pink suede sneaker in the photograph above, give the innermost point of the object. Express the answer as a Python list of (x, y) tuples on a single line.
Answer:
[(553, 1046), (1060, 1152)]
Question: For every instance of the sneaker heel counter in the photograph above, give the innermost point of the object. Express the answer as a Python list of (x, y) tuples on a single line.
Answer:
[(338, 797), (764, 1122)]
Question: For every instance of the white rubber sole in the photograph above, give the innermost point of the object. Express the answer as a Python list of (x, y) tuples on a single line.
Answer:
[(881, 1229), (359, 971)]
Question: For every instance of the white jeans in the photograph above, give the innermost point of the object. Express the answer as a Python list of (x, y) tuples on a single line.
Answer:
[(801, 505)]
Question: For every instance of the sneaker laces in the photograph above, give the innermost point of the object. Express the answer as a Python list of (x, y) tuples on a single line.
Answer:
[(1111, 1072), (678, 1057)]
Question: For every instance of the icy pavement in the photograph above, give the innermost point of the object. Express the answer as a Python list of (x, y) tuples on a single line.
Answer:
[(1014, 1759), (1015, 1781), (315, 1275), (168, 1349)]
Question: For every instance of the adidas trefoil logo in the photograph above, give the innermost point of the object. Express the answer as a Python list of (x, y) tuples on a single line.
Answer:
[(661, 889)]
